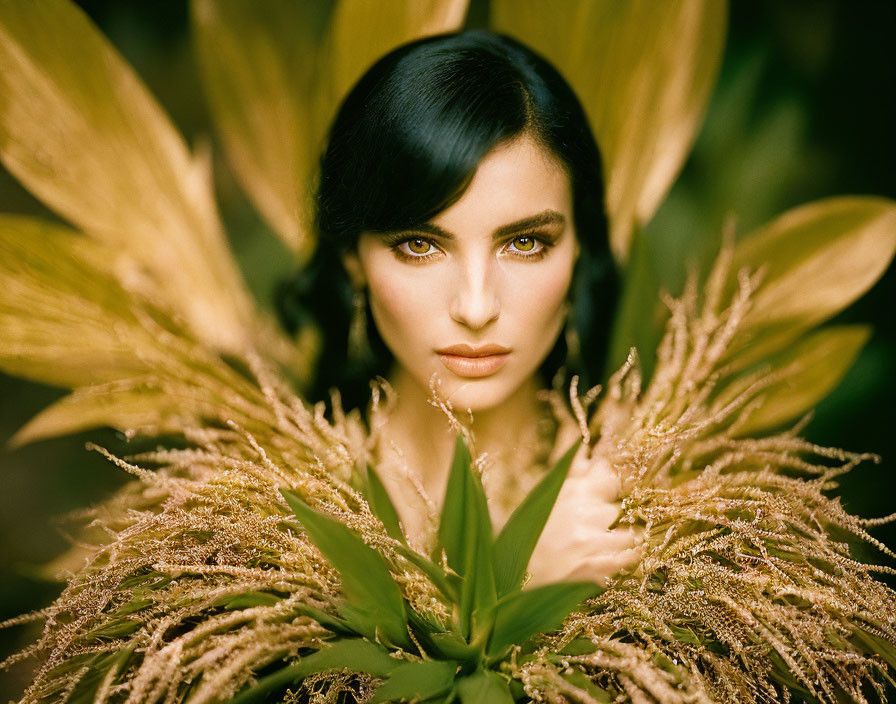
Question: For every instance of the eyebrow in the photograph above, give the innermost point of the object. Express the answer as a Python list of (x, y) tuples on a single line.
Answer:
[(548, 217)]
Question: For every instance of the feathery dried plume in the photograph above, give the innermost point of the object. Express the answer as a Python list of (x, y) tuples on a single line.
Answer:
[(747, 589)]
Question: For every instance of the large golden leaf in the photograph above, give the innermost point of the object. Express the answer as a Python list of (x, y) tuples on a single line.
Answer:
[(135, 409), (816, 260), (66, 321), (63, 320), (188, 389), (260, 63), (80, 131), (361, 32), (274, 72), (644, 72), (801, 375)]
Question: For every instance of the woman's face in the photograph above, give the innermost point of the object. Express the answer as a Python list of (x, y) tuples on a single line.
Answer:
[(474, 300)]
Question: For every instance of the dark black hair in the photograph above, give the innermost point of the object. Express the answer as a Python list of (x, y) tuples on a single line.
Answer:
[(404, 146)]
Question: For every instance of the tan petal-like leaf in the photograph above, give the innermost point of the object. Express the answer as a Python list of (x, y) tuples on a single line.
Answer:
[(644, 72), (361, 32), (66, 321), (817, 259), (274, 76), (63, 320), (167, 398), (80, 131), (93, 407), (805, 373), (260, 63)]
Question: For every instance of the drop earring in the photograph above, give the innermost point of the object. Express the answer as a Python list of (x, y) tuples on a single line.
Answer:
[(358, 345), (573, 343)]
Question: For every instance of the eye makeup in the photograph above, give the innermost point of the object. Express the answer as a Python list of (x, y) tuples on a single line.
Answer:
[(401, 244), (541, 245)]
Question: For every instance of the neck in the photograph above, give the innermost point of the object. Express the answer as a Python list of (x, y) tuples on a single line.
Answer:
[(420, 433)]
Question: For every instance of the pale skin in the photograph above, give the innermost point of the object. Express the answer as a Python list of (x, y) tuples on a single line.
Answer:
[(493, 268)]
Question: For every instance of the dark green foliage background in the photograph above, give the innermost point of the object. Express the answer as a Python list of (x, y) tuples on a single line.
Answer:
[(804, 109)]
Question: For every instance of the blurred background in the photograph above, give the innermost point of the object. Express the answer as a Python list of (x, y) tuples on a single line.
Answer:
[(804, 108)]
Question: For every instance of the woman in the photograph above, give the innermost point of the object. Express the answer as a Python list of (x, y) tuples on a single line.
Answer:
[(461, 191), (206, 587)]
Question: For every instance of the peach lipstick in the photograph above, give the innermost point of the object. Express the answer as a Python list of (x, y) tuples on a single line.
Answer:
[(472, 362)]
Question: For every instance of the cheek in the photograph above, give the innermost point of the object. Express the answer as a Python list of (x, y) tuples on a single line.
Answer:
[(538, 297), (402, 305)]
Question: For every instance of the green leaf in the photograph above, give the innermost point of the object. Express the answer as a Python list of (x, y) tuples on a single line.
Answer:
[(248, 600), (382, 505), (517, 690), (435, 573), (446, 699), (478, 593), (579, 679), (465, 533), (417, 681), (782, 674), (332, 623), (375, 605), (452, 647), (424, 624), (874, 645), (579, 646), (99, 667), (686, 635), (517, 540), (352, 654), (484, 687), (134, 605), (452, 523), (520, 615), (640, 313), (116, 628)]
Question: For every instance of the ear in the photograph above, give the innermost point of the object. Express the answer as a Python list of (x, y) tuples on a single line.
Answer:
[(352, 263)]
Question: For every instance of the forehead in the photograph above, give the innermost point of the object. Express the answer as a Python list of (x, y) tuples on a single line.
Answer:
[(513, 181)]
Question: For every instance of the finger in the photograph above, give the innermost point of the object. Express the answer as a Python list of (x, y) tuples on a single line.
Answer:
[(600, 568), (581, 462), (567, 433), (595, 476), (585, 512)]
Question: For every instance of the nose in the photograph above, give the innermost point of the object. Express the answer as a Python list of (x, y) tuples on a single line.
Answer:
[(475, 302)]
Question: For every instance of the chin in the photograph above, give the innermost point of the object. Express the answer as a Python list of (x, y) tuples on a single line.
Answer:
[(477, 395)]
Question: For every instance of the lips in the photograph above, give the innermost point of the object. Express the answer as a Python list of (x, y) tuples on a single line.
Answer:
[(471, 362), (465, 350)]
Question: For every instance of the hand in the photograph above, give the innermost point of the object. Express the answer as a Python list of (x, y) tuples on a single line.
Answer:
[(577, 543)]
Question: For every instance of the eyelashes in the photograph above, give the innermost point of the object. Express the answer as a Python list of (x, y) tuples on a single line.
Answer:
[(419, 248), (406, 247)]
